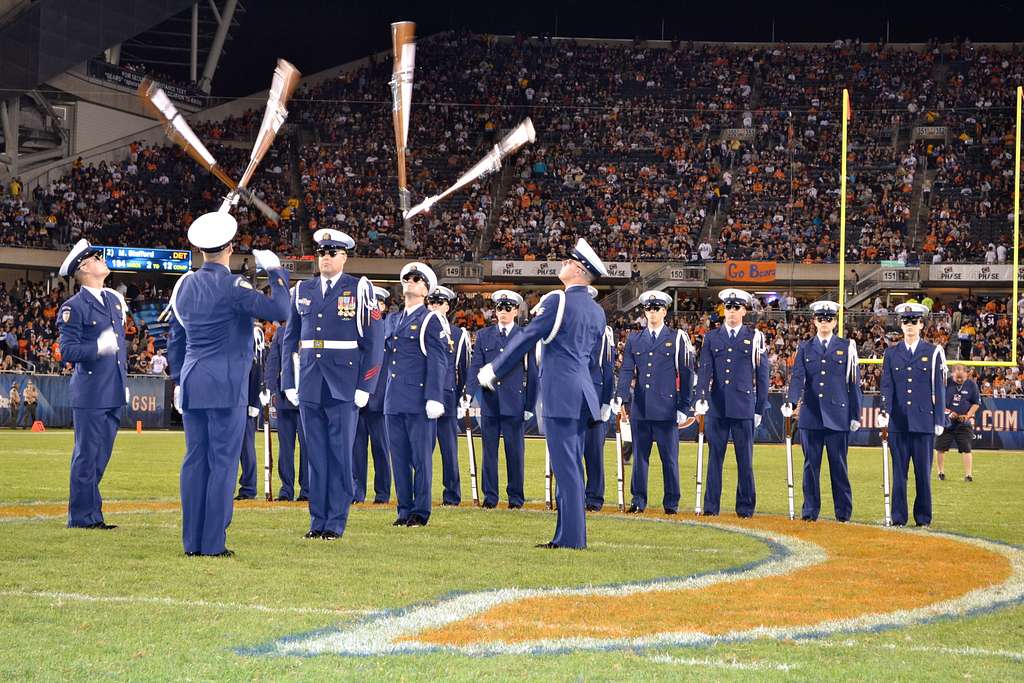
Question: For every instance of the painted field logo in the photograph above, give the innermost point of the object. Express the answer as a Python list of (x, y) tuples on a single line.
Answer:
[(819, 579)]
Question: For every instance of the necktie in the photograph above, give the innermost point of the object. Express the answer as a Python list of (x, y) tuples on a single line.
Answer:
[(732, 335), (504, 334), (824, 345), (654, 335), (327, 286)]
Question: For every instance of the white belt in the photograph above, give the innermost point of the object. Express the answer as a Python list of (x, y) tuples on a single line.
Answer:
[(328, 344)]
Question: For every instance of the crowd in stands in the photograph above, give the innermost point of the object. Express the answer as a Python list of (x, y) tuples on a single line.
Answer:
[(29, 334)]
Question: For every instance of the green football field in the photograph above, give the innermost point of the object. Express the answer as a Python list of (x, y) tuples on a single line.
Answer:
[(127, 605)]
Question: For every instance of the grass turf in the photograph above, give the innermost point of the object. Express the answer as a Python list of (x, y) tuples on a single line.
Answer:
[(127, 604)]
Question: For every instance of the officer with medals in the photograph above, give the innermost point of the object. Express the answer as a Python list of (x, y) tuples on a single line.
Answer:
[(372, 433), (569, 324), (732, 390), (827, 377), (91, 325), (416, 362), (913, 389), (247, 478), (963, 400), (657, 363), (504, 411), (602, 372), (335, 322), (288, 423), (441, 302), (210, 350)]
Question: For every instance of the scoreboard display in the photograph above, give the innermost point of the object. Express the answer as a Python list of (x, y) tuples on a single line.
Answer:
[(138, 259)]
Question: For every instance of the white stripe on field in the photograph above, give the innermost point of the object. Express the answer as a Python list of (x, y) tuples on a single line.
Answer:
[(722, 663), (173, 602)]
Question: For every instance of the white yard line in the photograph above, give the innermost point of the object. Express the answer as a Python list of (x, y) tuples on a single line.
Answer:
[(733, 664), (902, 647), (61, 596)]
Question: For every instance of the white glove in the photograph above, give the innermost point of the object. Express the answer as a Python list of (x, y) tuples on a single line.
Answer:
[(527, 416), (265, 397), (700, 407), (265, 259), (615, 405), (786, 409), (757, 421), (254, 411), (435, 409), (486, 377), (177, 399), (106, 343), (939, 429), (680, 417), (360, 398), (883, 420), (292, 395), (127, 395), (854, 425), (460, 411), (606, 412)]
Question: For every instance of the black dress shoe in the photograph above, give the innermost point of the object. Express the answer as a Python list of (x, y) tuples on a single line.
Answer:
[(241, 497), (670, 511), (282, 499), (223, 553), (593, 508), (809, 519), (401, 521), (302, 499), (449, 505), (708, 514), (101, 525), (633, 510), (547, 546), (417, 520), (899, 524), (515, 507), (489, 506), (380, 502), (192, 554), (744, 515), (312, 534), (330, 535)]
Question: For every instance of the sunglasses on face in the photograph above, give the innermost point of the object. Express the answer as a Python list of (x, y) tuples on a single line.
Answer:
[(329, 252), (824, 318), (733, 307), (506, 307), (911, 321), (97, 255), (653, 307), (413, 277), (437, 300)]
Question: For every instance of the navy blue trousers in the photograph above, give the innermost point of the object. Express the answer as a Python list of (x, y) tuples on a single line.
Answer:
[(645, 434), (247, 479), (511, 428), (565, 438), (213, 439), (411, 437), (288, 427), (907, 447), (95, 429), (593, 462), (330, 427), (814, 441), (371, 436), (448, 440), (719, 430)]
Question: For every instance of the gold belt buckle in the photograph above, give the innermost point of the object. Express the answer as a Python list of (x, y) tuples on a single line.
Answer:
[(318, 343)]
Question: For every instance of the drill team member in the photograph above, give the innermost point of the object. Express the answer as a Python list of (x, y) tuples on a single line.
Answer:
[(913, 388), (504, 411), (441, 302), (92, 338), (335, 322), (826, 376), (962, 402), (732, 383), (288, 423), (603, 375), (372, 432), (417, 350), (569, 324), (210, 351), (657, 363), (247, 479)]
